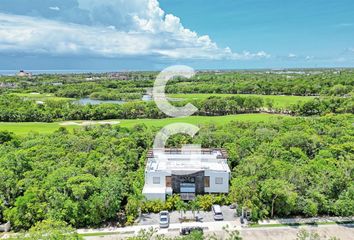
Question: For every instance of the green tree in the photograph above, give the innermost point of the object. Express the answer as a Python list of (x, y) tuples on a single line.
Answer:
[(280, 195), (49, 230)]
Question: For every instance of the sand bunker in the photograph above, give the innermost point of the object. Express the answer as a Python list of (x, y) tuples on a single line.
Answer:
[(88, 123)]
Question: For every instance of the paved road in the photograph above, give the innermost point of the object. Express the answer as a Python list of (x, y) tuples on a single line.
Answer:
[(173, 230), (306, 220), (344, 232)]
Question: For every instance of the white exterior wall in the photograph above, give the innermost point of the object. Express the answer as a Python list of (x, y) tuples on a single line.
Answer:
[(149, 177), (217, 188), (155, 191), (155, 196), (213, 168), (158, 191)]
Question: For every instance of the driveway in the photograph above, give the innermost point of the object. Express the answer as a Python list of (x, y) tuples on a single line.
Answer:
[(343, 232), (206, 216)]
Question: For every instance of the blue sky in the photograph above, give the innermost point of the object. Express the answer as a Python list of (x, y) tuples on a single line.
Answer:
[(152, 34)]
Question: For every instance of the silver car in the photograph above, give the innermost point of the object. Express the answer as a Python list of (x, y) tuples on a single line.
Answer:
[(217, 212), (164, 219)]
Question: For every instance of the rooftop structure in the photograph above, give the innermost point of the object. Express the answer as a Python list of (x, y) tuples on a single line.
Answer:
[(186, 171), (187, 159)]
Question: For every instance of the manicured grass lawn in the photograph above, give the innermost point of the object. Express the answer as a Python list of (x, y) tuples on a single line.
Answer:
[(202, 120), (42, 97), (46, 128), (279, 100), (24, 128)]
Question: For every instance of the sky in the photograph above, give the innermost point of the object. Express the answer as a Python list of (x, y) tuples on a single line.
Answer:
[(153, 34)]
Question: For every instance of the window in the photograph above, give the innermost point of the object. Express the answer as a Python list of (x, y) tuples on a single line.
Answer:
[(156, 180), (218, 180), (206, 181), (168, 181)]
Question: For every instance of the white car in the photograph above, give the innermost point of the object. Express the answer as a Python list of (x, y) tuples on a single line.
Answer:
[(217, 212), (164, 219)]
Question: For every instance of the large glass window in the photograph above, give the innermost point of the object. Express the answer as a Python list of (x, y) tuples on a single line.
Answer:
[(187, 188)]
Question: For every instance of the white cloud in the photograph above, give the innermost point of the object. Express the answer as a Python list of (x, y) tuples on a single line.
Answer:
[(292, 55), (115, 28), (56, 8), (32, 35), (344, 25)]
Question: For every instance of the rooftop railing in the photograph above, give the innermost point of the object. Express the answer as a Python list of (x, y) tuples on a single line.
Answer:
[(221, 153)]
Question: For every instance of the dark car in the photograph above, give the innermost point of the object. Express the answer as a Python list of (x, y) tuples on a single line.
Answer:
[(188, 230)]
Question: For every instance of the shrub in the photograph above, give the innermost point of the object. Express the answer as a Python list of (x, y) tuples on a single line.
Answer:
[(173, 202), (205, 202), (154, 206)]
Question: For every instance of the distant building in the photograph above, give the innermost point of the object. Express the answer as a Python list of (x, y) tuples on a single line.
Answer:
[(118, 76), (187, 172), (22, 73)]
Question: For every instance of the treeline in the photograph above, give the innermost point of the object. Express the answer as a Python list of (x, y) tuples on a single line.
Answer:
[(111, 95), (286, 167), (16, 109), (306, 83)]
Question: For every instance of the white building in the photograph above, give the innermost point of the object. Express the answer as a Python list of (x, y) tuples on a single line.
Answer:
[(186, 172), (22, 73)]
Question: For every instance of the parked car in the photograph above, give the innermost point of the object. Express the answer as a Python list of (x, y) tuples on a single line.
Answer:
[(164, 219), (217, 212), (188, 230), (233, 206)]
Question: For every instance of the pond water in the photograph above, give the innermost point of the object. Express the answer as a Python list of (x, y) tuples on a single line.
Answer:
[(147, 98), (86, 101)]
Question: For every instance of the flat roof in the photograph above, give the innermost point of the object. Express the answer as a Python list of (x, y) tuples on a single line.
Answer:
[(220, 152), (187, 160)]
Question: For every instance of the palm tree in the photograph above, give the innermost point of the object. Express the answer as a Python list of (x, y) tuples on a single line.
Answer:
[(194, 207)]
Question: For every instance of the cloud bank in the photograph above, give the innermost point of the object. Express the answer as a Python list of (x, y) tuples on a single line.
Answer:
[(105, 28)]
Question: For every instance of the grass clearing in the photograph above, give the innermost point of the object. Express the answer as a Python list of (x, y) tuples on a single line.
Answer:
[(42, 97), (101, 234), (24, 128), (299, 224), (202, 120), (278, 100)]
